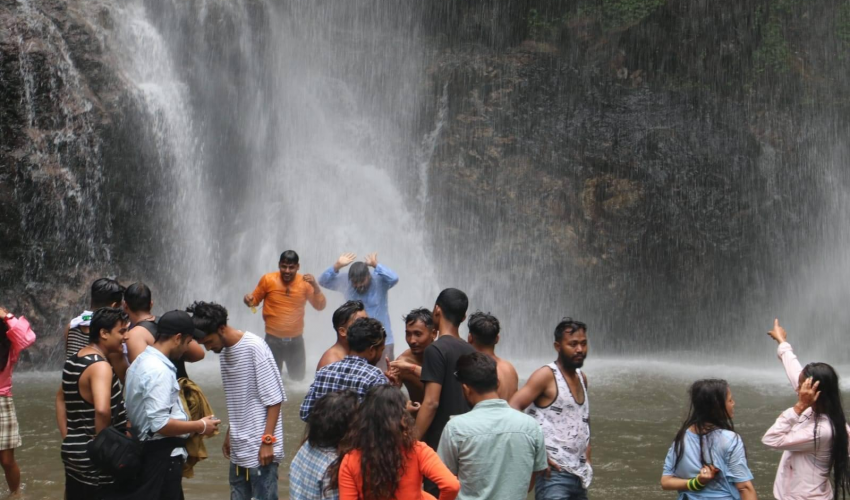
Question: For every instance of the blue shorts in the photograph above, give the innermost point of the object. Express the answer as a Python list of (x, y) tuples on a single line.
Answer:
[(560, 485)]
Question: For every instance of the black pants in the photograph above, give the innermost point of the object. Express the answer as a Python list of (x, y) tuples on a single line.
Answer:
[(75, 490), (289, 351), (161, 475)]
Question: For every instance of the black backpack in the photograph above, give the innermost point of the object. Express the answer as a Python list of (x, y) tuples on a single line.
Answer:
[(116, 453)]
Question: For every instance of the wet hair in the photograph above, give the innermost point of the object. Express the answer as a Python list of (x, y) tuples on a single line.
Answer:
[(421, 314), (384, 433), (330, 418), (829, 404), (344, 312), (105, 318), (289, 257), (138, 297), (105, 292), (569, 326), (484, 327), (5, 344), (208, 316), (707, 414), (454, 304), (365, 333), (359, 271), (478, 371)]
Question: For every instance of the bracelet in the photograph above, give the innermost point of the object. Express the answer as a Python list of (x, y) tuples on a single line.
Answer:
[(695, 485), (205, 427)]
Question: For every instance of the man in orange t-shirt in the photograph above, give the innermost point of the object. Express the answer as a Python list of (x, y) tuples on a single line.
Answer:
[(284, 295)]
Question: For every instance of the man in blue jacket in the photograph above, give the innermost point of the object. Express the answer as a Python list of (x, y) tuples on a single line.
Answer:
[(368, 286)]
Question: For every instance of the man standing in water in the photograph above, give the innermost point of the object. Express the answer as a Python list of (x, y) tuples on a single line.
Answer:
[(443, 396), (343, 317), (284, 295), (254, 394), (419, 332), (138, 304), (484, 331), (370, 287), (556, 396)]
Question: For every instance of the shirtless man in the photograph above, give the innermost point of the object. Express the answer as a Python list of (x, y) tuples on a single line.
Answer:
[(419, 332), (342, 319), (138, 304), (556, 396), (484, 331)]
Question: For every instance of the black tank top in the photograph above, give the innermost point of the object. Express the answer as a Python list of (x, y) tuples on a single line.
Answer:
[(77, 339), (80, 417)]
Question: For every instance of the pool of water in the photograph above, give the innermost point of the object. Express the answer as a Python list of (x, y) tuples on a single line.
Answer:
[(636, 407)]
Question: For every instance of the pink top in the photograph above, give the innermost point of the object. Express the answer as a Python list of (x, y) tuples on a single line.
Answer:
[(804, 469), (21, 336)]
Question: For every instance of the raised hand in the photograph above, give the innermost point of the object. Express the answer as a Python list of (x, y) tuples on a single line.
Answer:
[(778, 333), (248, 299), (309, 278), (372, 259), (807, 395), (344, 260)]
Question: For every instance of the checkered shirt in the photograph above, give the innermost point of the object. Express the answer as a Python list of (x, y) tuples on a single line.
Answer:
[(307, 478), (353, 372)]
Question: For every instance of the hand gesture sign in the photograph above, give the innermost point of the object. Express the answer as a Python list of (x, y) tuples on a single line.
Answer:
[(807, 395), (372, 259), (344, 260), (778, 333), (707, 473)]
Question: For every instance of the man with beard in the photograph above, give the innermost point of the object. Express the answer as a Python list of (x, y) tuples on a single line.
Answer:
[(284, 295), (152, 397), (556, 396), (254, 394), (419, 332), (369, 287)]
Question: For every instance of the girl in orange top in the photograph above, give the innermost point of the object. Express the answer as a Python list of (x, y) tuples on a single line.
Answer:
[(381, 459)]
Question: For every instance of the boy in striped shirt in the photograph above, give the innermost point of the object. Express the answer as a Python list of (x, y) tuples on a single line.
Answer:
[(254, 393)]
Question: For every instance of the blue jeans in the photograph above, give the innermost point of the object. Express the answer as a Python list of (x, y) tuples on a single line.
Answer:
[(249, 484), (561, 485)]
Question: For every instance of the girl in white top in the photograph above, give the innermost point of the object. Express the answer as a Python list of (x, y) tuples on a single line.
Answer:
[(813, 434)]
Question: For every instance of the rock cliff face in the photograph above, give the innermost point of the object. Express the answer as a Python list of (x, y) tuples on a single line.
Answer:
[(630, 162)]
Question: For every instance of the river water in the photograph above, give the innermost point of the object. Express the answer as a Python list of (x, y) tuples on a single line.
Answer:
[(636, 407)]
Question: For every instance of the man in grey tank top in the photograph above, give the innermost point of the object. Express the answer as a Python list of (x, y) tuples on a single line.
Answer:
[(556, 396)]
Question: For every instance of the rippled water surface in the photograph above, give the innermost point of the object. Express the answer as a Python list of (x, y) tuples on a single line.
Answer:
[(635, 410)]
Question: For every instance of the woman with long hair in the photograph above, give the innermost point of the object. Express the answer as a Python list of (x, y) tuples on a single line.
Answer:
[(380, 457), (813, 434), (708, 458), (327, 425)]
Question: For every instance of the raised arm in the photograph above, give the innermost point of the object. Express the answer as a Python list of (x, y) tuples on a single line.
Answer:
[(792, 431), (316, 298), (20, 334), (383, 273), (786, 354), (331, 279), (254, 298)]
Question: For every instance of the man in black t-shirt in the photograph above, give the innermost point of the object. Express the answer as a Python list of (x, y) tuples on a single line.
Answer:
[(443, 393)]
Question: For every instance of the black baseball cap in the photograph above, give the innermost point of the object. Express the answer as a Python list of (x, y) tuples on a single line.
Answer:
[(174, 322)]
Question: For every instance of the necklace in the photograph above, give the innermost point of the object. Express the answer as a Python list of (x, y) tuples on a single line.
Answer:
[(96, 348)]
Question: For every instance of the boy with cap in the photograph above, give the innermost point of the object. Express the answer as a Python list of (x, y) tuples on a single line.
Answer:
[(152, 397)]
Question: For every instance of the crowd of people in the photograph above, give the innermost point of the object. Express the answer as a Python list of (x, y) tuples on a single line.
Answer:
[(445, 419)]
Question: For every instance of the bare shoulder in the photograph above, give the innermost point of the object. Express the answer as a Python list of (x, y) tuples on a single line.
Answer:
[(407, 356), (332, 355), (138, 332)]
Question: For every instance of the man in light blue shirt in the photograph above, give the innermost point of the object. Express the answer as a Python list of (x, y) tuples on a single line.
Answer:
[(494, 450), (369, 287), (152, 398)]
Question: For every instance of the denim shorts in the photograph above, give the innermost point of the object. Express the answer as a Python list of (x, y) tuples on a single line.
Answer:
[(561, 485), (259, 483)]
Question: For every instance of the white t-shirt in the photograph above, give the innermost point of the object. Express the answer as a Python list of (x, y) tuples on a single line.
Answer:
[(252, 382)]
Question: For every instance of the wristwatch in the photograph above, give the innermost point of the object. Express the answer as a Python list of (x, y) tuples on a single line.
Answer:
[(269, 439)]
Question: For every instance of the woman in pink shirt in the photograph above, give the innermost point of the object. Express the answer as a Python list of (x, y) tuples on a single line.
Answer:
[(15, 336), (812, 434)]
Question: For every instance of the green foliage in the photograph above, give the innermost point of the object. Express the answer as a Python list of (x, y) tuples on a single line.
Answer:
[(842, 24), (623, 13), (773, 54), (543, 27)]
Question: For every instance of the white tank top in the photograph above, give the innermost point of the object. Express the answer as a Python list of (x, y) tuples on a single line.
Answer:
[(566, 428)]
